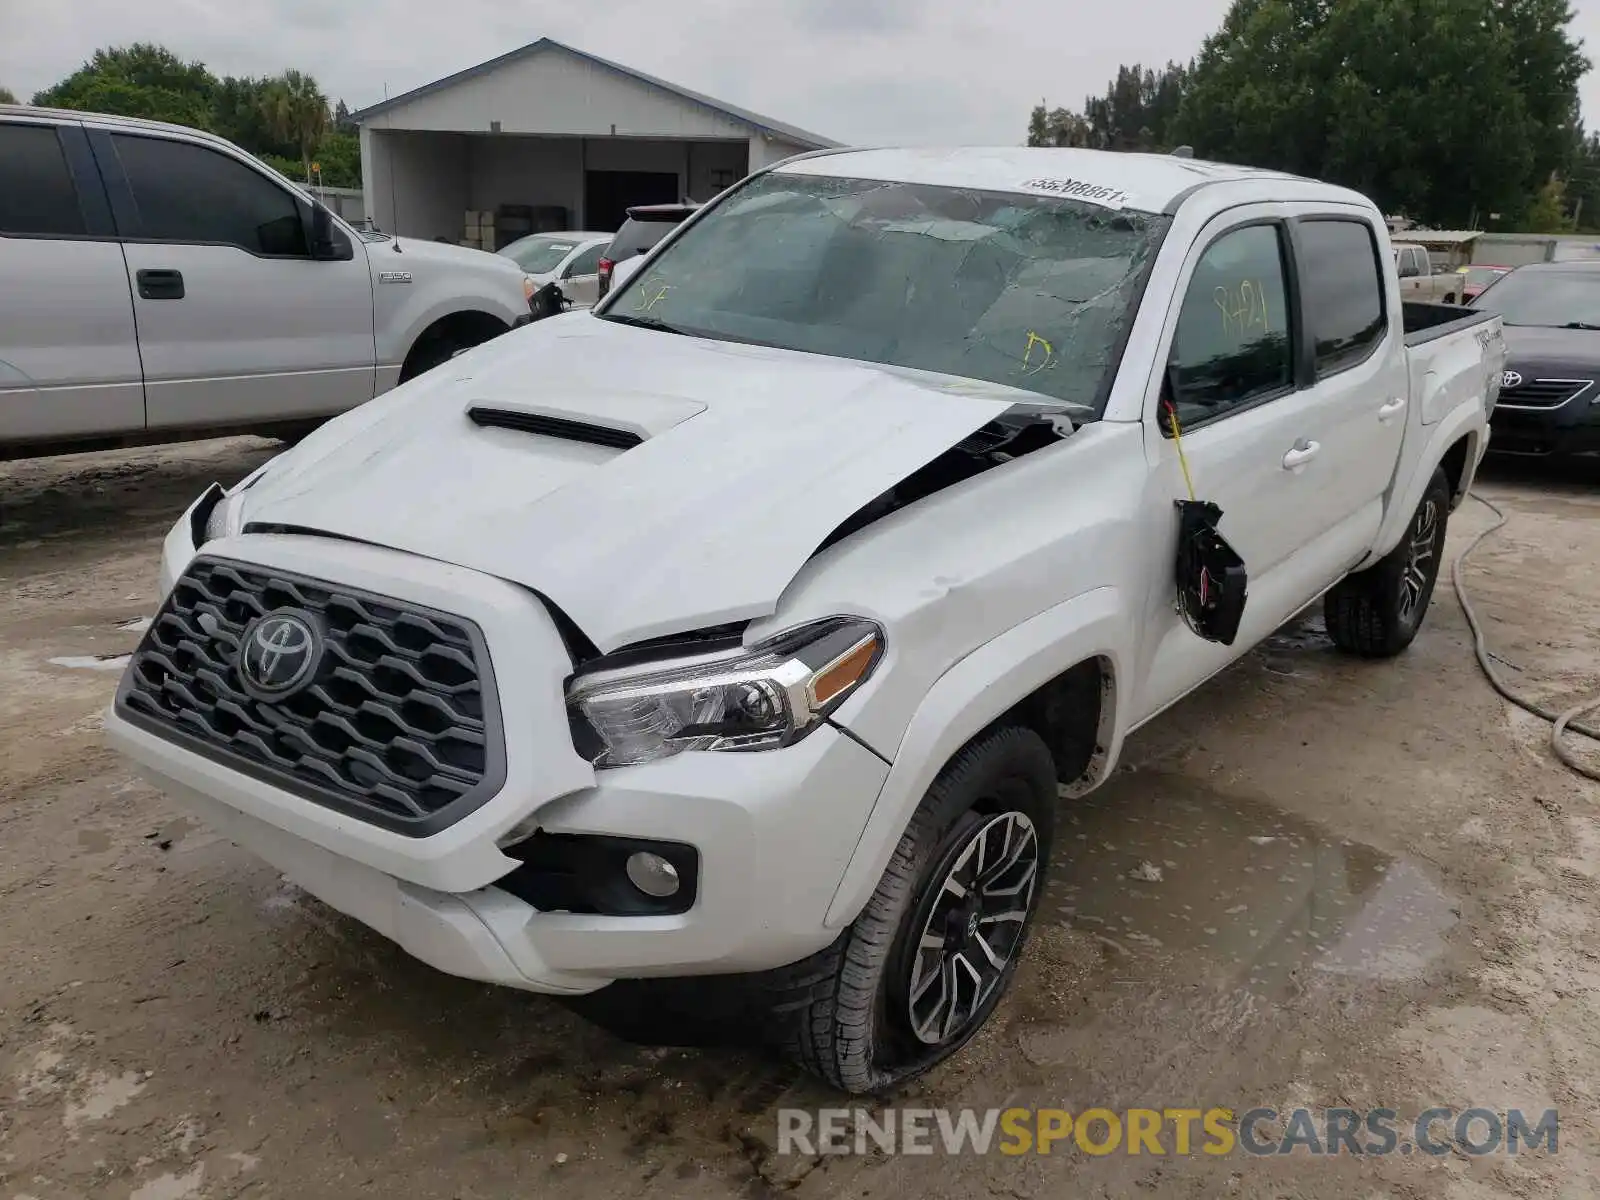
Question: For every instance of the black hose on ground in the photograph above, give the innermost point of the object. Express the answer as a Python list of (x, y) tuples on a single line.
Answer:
[(1561, 723)]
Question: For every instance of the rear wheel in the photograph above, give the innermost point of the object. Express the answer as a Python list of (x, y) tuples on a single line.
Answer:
[(1376, 613), (918, 973)]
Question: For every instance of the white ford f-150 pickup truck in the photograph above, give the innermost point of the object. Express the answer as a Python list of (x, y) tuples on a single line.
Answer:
[(157, 282), (750, 625)]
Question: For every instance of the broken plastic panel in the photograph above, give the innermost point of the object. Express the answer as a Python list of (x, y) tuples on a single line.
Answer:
[(1211, 577)]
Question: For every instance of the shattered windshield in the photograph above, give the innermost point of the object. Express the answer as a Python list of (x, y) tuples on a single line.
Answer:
[(1028, 291)]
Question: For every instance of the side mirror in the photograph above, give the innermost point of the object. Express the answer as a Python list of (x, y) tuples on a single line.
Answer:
[(625, 269), (328, 242), (1213, 584), (547, 301)]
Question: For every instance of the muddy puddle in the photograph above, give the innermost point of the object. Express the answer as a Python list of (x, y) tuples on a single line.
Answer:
[(1238, 893)]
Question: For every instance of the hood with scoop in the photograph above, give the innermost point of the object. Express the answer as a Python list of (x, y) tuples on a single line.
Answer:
[(645, 483)]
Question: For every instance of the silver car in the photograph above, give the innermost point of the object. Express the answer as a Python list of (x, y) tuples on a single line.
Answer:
[(569, 259)]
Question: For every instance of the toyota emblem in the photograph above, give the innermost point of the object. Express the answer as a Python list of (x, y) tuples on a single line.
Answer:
[(1511, 379), (279, 655)]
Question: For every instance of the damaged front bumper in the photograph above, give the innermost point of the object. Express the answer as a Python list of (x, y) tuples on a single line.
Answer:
[(771, 832)]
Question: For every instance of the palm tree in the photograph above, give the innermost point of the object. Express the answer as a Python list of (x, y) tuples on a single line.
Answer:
[(296, 111)]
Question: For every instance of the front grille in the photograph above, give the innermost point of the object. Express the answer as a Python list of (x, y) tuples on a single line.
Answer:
[(1544, 393), (397, 725)]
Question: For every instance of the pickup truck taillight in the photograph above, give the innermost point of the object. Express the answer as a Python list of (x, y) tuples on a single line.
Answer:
[(605, 275)]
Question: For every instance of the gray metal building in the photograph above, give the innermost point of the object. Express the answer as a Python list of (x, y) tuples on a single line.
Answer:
[(558, 134)]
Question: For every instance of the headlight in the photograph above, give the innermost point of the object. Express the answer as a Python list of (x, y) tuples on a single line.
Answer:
[(770, 695), (529, 287)]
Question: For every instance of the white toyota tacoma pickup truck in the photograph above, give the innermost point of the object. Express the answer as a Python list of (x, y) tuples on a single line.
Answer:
[(157, 282), (753, 624)]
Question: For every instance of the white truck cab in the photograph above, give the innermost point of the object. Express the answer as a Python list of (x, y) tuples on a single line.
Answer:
[(749, 626), (159, 282)]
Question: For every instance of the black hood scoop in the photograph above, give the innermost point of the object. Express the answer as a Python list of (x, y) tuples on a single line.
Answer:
[(563, 428)]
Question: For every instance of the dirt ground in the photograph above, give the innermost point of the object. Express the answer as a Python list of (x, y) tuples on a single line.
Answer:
[(1317, 882)]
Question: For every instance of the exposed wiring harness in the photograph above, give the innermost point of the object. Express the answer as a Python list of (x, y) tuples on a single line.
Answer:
[(1561, 723)]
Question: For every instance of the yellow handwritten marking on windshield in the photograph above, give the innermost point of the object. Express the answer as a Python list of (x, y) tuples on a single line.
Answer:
[(1027, 355), (1243, 308), (647, 305)]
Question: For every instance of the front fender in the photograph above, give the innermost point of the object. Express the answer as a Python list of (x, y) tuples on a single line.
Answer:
[(966, 698), (412, 312)]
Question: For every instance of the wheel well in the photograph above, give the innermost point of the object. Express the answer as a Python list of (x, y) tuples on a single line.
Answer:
[(458, 328), (1454, 465), (1073, 714)]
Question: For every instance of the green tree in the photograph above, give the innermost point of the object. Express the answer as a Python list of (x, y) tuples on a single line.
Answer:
[(340, 160), (1322, 88), (1549, 211), (1583, 185), (1057, 127), (296, 110), (1139, 109), (141, 80), (1549, 65), (7, 96), (239, 113)]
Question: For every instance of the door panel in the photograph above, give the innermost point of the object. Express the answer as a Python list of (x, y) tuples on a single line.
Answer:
[(1358, 402), (1233, 350), (252, 338), (581, 283), (69, 357), (237, 323)]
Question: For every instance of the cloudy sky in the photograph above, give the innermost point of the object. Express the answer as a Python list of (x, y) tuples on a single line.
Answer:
[(856, 70)]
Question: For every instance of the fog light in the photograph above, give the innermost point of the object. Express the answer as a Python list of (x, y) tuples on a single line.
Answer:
[(652, 874)]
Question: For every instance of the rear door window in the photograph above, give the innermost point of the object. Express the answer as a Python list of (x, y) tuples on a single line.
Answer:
[(37, 195), (190, 193), (1341, 291)]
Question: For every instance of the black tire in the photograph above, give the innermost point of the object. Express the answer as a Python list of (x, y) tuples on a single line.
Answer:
[(848, 1014), (1376, 613), (437, 347)]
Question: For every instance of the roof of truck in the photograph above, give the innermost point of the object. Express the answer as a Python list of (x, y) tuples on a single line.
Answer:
[(1150, 182)]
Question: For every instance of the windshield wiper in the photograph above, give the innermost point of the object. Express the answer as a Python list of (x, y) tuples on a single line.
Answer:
[(1579, 325), (655, 323)]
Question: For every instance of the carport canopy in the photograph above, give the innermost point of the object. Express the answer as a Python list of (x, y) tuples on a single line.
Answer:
[(548, 137)]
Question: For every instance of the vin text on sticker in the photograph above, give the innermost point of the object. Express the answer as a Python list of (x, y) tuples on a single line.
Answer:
[(1078, 189)]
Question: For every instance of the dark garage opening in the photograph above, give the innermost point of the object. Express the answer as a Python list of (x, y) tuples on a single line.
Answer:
[(607, 195)]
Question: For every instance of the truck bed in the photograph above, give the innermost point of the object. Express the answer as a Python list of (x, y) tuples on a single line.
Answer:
[(1422, 321)]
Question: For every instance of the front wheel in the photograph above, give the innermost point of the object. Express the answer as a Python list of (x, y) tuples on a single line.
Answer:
[(1376, 613), (918, 973)]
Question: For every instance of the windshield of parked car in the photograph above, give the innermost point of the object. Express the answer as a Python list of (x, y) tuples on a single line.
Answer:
[(1033, 292), (1557, 299), (539, 254), (1480, 277)]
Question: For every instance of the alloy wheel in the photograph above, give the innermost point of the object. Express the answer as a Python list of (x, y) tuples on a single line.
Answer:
[(1419, 559), (974, 927)]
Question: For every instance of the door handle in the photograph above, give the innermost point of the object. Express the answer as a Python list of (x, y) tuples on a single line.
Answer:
[(1302, 453), (1392, 409), (160, 284)]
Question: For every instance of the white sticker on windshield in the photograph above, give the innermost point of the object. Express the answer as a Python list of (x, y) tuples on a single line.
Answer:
[(1079, 189)]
